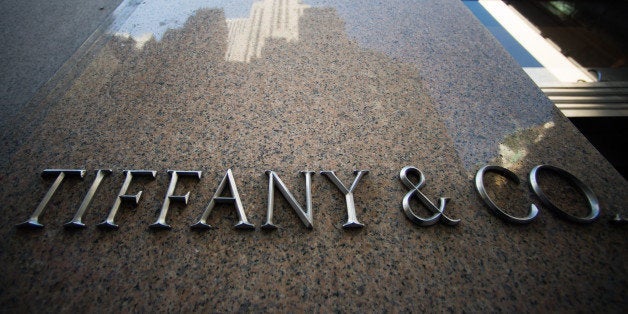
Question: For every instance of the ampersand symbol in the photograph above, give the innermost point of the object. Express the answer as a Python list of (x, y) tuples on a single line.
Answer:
[(439, 212)]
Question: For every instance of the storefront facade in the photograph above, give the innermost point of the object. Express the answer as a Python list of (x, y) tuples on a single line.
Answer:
[(249, 107)]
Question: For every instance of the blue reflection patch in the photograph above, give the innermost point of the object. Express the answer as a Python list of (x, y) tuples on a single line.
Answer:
[(523, 57)]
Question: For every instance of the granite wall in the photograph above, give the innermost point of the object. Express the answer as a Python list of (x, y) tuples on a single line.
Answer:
[(323, 101)]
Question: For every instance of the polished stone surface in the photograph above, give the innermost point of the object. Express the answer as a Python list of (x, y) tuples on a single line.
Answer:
[(37, 37), (289, 86)]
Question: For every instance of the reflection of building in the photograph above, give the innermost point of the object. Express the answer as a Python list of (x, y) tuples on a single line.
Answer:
[(268, 19)]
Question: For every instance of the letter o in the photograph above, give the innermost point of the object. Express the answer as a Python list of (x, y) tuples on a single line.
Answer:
[(594, 205)]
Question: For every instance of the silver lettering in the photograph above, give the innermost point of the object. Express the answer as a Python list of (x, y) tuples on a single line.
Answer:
[(479, 186), (594, 204), (352, 218), (161, 220), (304, 215), (76, 222), (133, 199), (439, 212), (33, 221), (233, 199)]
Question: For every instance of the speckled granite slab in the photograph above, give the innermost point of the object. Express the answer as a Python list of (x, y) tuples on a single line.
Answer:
[(289, 86)]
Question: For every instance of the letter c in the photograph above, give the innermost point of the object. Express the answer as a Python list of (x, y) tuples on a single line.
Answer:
[(479, 186)]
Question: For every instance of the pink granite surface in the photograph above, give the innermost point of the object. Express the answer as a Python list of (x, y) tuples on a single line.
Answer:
[(329, 100)]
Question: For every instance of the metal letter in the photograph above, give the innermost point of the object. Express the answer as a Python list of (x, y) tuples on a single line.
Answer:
[(479, 186), (594, 205), (123, 197), (275, 181), (234, 199), (161, 220), (76, 222), (33, 221), (439, 212), (352, 218)]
